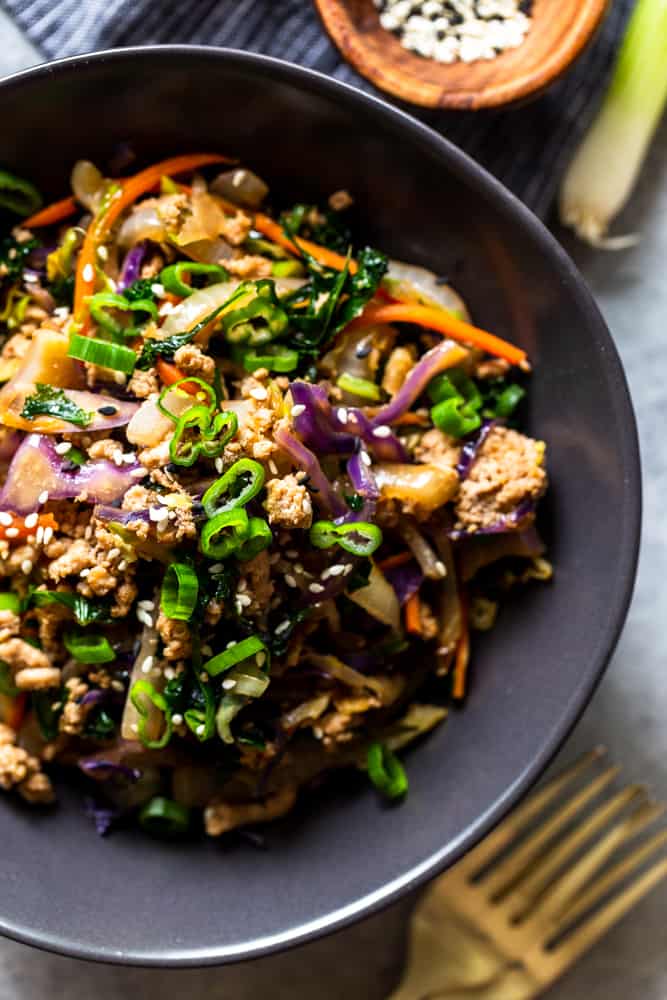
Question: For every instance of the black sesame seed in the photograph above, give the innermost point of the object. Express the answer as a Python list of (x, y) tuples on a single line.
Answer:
[(107, 411)]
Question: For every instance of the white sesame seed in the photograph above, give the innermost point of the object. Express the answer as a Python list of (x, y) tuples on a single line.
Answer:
[(219, 466), (315, 588), (113, 554), (119, 378), (244, 600), (117, 685), (39, 537), (48, 534), (144, 618), (145, 605), (229, 684), (11, 532), (200, 730), (26, 566), (382, 431), (273, 468), (138, 473), (177, 719), (289, 580), (206, 650), (298, 568), (298, 410), (157, 289), (318, 732), (88, 272), (6, 519), (147, 665), (341, 413), (259, 393), (117, 457), (122, 565), (84, 572), (337, 569), (129, 457), (43, 497), (88, 533), (441, 569), (365, 458), (169, 673), (348, 569), (282, 627), (62, 447)]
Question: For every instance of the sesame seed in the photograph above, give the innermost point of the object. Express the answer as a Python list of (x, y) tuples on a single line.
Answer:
[(102, 253), (84, 572), (117, 457), (298, 410), (259, 393), (337, 569), (88, 272), (317, 732), (315, 588), (273, 468), (147, 665), (48, 534), (200, 730), (29, 278), (6, 519), (43, 497), (341, 413), (298, 568), (348, 569), (441, 568), (88, 533), (62, 447), (219, 466), (144, 618), (117, 685), (216, 568), (229, 684), (289, 580), (113, 554), (119, 378), (145, 605), (157, 289), (177, 719), (382, 431), (206, 650), (169, 673), (282, 627), (122, 565), (138, 473), (26, 566), (39, 538), (11, 532), (365, 458)]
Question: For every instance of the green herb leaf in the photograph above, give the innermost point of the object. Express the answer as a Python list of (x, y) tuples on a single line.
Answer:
[(85, 611), (330, 230), (100, 726), (51, 402), (142, 288), (12, 258)]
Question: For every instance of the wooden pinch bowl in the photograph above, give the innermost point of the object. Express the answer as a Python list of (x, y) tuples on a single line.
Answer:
[(560, 31)]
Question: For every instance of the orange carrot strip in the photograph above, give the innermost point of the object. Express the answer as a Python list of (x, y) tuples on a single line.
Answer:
[(18, 525), (392, 562), (328, 258), (130, 189), (411, 419), (413, 615), (442, 321), (462, 658), (56, 212), (170, 374)]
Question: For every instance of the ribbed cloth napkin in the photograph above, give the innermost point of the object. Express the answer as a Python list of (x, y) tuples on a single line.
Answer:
[(528, 147)]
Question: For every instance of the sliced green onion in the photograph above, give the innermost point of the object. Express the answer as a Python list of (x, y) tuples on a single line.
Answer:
[(275, 357), (508, 400), (603, 173), (102, 353), (10, 602), (100, 304), (224, 533), (249, 680), (361, 538), (361, 387), (235, 654), (287, 269), (386, 771), (165, 818), (231, 486), (205, 388), (140, 692), (230, 706), (171, 278), (201, 721), (259, 537), (18, 194), (180, 588), (87, 648), (453, 417)]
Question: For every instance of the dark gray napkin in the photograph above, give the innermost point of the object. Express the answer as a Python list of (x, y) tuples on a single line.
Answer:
[(527, 147)]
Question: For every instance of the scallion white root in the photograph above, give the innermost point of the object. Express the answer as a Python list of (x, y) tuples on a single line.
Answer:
[(604, 170)]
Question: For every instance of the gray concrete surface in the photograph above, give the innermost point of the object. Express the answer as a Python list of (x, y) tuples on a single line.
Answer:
[(628, 713)]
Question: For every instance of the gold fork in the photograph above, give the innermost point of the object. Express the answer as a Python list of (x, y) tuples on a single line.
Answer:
[(519, 909)]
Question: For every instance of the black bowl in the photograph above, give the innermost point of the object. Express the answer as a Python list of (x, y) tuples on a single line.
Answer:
[(343, 854)]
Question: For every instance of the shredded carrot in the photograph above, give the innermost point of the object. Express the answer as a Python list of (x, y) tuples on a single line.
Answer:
[(170, 374), (12, 710), (48, 216), (442, 321), (392, 562), (19, 531), (413, 615), (130, 189), (462, 657), (328, 258), (411, 419)]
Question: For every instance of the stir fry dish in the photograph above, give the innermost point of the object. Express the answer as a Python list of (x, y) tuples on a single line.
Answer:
[(258, 484)]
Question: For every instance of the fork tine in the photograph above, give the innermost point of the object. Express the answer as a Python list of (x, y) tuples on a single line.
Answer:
[(555, 900), (500, 880), (538, 878), (584, 937), (512, 826), (611, 879)]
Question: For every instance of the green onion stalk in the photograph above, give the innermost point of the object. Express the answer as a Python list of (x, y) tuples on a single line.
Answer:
[(606, 166)]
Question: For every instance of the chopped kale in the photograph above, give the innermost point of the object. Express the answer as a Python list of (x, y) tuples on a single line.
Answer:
[(52, 402), (142, 288), (85, 611), (277, 639), (176, 693), (154, 349), (62, 290), (100, 726), (327, 228), (47, 706), (13, 258)]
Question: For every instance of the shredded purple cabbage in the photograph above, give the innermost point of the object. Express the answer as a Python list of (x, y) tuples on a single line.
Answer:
[(432, 363), (315, 424), (324, 495), (406, 580), (103, 816), (103, 770), (384, 448), (131, 271), (514, 521), (116, 516), (471, 448)]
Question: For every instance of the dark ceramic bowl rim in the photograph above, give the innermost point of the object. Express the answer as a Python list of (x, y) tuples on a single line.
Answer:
[(458, 162)]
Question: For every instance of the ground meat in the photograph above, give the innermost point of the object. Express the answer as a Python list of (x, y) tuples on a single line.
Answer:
[(74, 714), (177, 525), (176, 638), (491, 368), (235, 228), (16, 764), (37, 789), (37, 678), (192, 361), (33, 318), (79, 555), (400, 363), (256, 584), (7, 735), (124, 598), (340, 200), (20, 655), (214, 612), (10, 624), (437, 448), (105, 448), (249, 267), (16, 557), (337, 727), (263, 408), (16, 347), (219, 817), (509, 470), (429, 623), (170, 208), (143, 384), (288, 503)]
